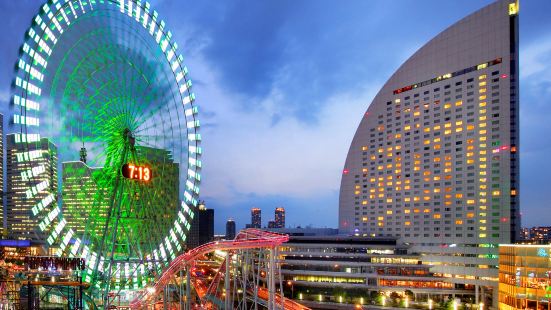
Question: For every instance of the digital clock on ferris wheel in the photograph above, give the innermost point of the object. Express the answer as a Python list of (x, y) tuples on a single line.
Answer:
[(136, 172)]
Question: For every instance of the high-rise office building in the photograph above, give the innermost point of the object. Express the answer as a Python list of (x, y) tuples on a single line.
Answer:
[(22, 210), (256, 218), (435, 159), (230, 229), (279, 218), (79, 189), (202, 228)]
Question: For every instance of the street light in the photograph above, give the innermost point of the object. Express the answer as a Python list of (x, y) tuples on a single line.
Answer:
[(481, 306), (430, 304), (454, 304), (407, 302), (290, 283)]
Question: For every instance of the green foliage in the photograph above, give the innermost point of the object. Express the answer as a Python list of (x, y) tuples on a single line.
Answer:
[(409, 294)]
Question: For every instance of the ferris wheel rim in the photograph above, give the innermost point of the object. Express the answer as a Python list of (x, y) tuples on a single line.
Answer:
[(179, 71)]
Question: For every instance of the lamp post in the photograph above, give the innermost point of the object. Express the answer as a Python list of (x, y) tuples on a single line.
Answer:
[(290, 283)]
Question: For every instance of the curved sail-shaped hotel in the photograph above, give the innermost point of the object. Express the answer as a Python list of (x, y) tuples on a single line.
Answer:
[(435, 158)]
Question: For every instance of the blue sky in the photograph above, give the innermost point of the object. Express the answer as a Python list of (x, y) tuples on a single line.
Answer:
[(282, 86)]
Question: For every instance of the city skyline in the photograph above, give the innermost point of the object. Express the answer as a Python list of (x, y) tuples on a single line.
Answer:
[(275, 82)]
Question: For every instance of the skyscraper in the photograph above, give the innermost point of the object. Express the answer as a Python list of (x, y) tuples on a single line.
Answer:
[(279, 218), (435, 157), (230, 229), (79, 193), (202, 228), (22, 211), (256, 218)]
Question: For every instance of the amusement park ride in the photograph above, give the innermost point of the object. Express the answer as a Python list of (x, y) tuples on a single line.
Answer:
[(103, 81)]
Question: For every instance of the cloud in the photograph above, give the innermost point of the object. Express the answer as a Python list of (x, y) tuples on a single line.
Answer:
[(535, 59), (250, 153)]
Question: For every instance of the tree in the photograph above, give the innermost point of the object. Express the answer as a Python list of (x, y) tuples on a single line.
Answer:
[(409, 294)]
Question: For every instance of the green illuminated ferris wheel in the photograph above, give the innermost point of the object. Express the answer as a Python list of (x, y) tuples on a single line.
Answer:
[(102, 84)]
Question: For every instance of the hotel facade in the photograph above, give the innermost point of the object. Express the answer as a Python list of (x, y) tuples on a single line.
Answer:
[(435, 159)]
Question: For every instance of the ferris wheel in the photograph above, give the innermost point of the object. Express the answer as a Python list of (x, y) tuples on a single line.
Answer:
[(107, 138)]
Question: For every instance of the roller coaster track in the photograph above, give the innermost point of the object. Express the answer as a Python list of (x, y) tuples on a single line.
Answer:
[(248, 239)]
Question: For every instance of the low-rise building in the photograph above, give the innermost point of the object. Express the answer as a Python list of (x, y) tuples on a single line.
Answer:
[(359, 270), (524, 276)]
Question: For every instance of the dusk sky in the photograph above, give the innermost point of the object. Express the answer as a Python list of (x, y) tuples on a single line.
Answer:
[(282, 86)]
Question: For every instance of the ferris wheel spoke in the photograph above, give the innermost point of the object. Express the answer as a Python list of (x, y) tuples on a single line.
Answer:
[(108, 81)]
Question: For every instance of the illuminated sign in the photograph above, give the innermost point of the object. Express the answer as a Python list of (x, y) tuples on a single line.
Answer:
[(135, 172), (513, 8)]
